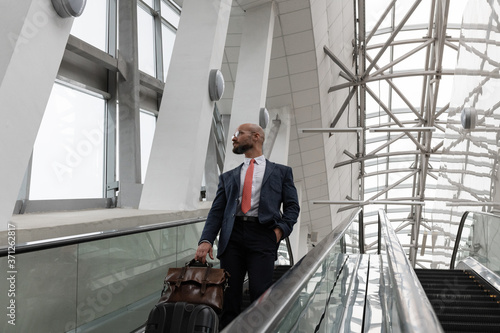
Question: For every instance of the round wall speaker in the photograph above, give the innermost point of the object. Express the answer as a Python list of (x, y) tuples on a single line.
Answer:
[(215, 85), (263, 117), (469, 117), (68, 8)]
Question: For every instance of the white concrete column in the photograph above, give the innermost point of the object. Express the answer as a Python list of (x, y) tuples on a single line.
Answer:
[(276, 149), (277, 141), (175, 171), (252, 74), (32, 42), (129, 162), (211, 169)]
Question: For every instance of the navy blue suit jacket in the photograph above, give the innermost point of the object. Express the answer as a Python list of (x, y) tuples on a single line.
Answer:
[(277, 188)]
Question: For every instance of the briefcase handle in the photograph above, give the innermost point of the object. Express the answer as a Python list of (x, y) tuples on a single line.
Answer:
[(193, 263), (196, 263)]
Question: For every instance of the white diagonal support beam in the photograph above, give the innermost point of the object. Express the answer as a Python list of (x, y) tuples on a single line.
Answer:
[(396, 75), (339, 63), (33, 41), (393, 35), (396, 120)]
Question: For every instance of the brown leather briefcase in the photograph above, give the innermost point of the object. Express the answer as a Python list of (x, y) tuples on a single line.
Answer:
[(195, 283)]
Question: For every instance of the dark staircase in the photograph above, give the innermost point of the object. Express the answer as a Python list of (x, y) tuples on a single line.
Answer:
[(463, 302)]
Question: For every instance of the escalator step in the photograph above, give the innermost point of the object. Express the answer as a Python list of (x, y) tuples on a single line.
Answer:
[(449, 282), (445, 278), (461, 310), (470, 327), (442, 286), (452, 286), (441, 304), (460, 301), (461, 291), (450, 296), (468, 318), (439, 271)]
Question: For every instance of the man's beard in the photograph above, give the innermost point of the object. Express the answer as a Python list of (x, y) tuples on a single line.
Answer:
[(241, 149)]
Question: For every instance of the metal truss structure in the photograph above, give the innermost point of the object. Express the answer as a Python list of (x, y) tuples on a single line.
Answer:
[(405, 59)]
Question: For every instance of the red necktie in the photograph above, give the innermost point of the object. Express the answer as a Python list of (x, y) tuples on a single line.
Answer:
[(247, 189)]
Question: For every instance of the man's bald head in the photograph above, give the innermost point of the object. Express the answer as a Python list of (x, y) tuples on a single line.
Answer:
[(249, 141), (255, 129)]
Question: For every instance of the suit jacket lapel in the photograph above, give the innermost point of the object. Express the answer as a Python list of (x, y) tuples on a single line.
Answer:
[(269, 169), (237, 174)]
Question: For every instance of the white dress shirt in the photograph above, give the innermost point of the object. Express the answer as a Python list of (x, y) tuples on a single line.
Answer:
[(258, 175)]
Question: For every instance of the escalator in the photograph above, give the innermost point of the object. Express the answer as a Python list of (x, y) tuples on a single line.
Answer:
[(463, 301), (335, 288)]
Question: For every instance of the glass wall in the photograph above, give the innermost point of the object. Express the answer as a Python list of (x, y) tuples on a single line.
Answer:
[(394, 172), (469, 165)]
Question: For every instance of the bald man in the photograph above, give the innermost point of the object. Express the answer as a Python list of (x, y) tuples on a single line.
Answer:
[(250, 227)]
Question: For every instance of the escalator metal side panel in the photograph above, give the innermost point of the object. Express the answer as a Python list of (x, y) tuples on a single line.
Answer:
[(472, 264), (268, 312), (407, 301), (375, 319), (354, 297), (313, 314)]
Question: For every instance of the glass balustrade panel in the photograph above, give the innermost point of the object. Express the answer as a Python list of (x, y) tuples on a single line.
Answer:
[(321, 289), (480, 240), (42, 290), (107, 285)]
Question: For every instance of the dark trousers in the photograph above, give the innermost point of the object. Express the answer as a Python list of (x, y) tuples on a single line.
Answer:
[(252, 248)]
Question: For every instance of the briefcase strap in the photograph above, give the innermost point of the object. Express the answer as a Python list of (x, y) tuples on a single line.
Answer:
[(205, 280), (181, 276)]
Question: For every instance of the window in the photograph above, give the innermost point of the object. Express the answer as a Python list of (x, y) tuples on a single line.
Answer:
[(68, 153), (148, 126), (170, 14), (91, 25), (146, 36), (168, 36)]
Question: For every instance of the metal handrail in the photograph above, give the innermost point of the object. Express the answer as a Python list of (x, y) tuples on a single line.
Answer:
[(290, 252), (412, 303), (459, 234), (460, 230), (457, 240), (94, 236), (265, 314)]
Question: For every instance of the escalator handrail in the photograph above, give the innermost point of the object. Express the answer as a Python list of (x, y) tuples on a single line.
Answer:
[(290, 252), (265, 314), (93, 236), (415, 310), (457, 239)]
